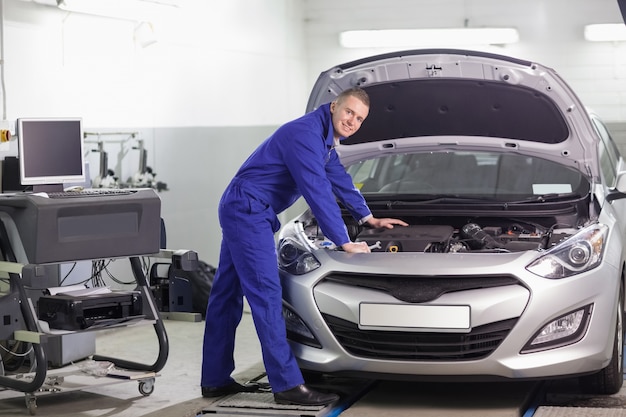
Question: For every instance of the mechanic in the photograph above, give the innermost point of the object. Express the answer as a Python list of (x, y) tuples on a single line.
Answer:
[(299, 159)]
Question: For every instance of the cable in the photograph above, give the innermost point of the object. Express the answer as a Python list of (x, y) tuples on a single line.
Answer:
[(116, 280), (13, 353), (14, 360), (67, 275)]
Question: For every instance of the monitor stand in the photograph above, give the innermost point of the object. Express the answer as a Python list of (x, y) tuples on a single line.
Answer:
[(48, 188)]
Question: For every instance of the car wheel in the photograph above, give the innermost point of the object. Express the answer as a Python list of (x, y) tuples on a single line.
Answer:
[(610, 379)]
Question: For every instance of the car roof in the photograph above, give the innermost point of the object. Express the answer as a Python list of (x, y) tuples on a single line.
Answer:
[(461, 99)]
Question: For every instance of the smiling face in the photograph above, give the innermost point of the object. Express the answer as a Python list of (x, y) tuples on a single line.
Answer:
[(348, 113)]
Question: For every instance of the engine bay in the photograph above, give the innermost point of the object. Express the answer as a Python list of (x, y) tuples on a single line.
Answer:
[(469, 238), (456, 234)]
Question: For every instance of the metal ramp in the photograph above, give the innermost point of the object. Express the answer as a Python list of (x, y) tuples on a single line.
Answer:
[(444, 399), (370, 398), (579, 412), (261, 404)]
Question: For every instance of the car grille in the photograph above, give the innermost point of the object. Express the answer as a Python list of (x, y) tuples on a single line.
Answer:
[(420, 289), (422, 346)]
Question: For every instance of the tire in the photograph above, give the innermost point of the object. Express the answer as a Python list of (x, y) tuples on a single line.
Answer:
[(610, 379)]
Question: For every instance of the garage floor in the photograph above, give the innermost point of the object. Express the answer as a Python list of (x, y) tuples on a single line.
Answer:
[(177, 392), (177, 382)]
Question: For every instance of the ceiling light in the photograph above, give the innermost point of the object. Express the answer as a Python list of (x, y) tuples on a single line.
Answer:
[(414, 38), (605, 32), (137, 10)]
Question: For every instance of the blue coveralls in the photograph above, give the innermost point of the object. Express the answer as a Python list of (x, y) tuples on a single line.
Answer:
[(298, 159)]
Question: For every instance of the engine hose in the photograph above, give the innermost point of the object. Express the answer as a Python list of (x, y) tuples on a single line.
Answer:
[(479, 237)]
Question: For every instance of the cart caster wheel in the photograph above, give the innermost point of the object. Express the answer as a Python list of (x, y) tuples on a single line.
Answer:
[(146, 387), (31, 404)]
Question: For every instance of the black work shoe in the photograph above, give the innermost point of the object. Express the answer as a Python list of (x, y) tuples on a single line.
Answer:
[(302, 395), (232, 388)]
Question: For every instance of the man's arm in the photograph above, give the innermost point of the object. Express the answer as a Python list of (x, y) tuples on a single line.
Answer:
[(362, 247), (385, 222)]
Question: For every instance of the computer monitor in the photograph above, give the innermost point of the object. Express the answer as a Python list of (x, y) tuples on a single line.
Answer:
[(50, 152)]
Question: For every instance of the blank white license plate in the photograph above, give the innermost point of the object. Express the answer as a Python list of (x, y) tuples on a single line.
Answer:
[(403, 315)]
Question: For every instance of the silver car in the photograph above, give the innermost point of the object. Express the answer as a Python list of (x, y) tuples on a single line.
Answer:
[(513, 264)]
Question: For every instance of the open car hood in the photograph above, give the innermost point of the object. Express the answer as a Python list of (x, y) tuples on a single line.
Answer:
[(460, 99)]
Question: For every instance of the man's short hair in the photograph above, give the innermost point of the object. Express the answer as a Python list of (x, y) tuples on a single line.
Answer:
[(354, 92)]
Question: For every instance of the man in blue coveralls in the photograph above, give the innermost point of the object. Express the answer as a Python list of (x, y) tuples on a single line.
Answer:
[(299, 159)]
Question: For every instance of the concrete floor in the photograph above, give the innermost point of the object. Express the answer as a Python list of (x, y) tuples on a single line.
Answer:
[(177, 382), (177, 391)]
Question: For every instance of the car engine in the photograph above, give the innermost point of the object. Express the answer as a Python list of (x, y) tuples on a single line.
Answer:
[(470, 237)]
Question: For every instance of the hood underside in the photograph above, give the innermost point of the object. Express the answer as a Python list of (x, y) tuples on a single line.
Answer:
[(463, 99), (442, 107)]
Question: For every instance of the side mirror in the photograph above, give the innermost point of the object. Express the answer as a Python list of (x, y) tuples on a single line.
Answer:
[(619, 191)]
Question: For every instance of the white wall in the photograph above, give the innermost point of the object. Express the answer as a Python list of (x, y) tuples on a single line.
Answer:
[(231, 63)]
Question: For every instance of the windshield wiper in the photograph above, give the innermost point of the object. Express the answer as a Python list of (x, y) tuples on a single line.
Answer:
[(459, 199), (409, 199), (546, 198)]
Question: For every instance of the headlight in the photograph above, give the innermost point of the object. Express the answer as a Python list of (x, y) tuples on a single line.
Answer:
[(581, 252), (295, 259)]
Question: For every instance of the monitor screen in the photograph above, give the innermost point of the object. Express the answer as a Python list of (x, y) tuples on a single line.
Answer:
[(50, 152)]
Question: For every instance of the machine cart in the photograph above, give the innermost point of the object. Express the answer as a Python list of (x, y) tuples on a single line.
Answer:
[(29, 248), (26, 328)]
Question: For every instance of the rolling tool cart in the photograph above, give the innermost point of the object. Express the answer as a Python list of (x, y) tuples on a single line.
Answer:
[(35, 234)]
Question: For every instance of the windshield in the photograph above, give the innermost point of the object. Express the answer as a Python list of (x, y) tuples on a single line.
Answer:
[(501, 176)]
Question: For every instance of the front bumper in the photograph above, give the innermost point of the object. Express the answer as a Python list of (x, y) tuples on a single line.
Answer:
[(529, 305)]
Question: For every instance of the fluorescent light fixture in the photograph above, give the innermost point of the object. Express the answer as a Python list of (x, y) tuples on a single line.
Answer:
[(414, 38), (605, 32), (136, 10)]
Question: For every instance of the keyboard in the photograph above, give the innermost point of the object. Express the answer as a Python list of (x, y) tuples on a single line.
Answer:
[(104, 192)]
